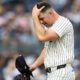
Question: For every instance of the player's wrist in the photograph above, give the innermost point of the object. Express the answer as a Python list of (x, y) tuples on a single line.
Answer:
[(33, 67)]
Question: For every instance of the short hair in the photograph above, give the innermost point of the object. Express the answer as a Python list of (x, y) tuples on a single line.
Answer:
[(45, 4)]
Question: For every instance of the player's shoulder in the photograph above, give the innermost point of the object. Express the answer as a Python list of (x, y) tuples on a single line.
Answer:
[(67, 20), (68, 23)]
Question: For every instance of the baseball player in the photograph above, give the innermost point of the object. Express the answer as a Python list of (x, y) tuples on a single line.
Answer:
[(58, 35)]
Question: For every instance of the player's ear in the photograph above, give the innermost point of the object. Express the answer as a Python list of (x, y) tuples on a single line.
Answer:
[(50, 13)]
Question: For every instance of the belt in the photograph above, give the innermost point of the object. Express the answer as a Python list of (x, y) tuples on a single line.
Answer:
[(49, 69)]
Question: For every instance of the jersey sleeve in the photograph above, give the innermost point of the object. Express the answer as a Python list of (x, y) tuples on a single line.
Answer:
[(61, 27)]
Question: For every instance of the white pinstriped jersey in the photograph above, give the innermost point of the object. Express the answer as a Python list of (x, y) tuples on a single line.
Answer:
[(60, 51)]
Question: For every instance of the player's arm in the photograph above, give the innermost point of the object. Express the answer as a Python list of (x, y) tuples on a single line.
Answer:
[(42, 34), (39, 61)]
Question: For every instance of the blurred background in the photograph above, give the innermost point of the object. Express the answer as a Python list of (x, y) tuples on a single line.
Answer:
[(17, 35)]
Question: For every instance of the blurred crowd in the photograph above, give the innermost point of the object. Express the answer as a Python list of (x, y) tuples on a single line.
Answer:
[(17, 35)]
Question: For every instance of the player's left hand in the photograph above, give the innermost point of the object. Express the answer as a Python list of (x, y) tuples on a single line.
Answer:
[(36, 11)]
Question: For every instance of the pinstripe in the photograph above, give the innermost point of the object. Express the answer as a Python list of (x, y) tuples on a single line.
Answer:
[(60, 51), (62, 74), (52, 50), (63, 25)]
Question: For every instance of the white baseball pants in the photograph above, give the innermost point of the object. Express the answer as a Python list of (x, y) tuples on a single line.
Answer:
[(66, 73)]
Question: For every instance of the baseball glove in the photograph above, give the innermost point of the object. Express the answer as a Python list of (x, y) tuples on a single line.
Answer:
[(21, 77), (23, 68)]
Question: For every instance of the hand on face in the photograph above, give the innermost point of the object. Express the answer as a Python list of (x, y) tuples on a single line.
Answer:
[(36, 11)]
